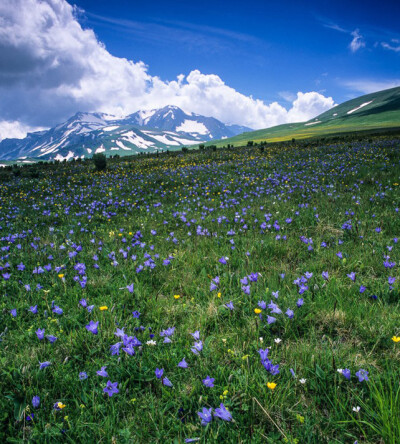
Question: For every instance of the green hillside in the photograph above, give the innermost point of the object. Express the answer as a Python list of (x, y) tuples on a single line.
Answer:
[(371, 111)]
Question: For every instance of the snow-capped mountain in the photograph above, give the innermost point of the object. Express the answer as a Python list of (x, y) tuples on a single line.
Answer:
[(172, 118), (87, 133)]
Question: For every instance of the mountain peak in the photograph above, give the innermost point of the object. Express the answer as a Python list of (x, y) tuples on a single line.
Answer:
[(86, 133)]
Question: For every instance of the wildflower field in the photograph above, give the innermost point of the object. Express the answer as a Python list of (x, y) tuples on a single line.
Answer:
[(238, 296)]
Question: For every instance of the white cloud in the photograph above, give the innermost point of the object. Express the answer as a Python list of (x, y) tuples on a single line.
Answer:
[(366, 86), (357, 42), (391, 47), (308, 105), (50, 68), (15, 129)]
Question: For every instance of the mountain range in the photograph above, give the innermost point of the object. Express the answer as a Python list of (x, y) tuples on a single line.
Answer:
[(87, 133), (171, 128)]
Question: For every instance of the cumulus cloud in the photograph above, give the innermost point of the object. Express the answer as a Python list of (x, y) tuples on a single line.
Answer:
[(309, 105), (51, 67), (357, 42), (15, 129)]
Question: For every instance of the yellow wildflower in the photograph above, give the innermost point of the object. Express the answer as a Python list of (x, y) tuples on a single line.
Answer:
[(300, 418), (271, 385), (103, 307)]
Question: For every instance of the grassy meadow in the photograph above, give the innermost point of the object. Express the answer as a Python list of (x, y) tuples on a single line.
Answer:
[(370, 113), (235, 296)]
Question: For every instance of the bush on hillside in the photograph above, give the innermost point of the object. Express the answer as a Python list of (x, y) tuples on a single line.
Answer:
[(100, 161)]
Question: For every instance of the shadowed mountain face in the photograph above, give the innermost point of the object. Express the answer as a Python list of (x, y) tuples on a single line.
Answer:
[(87, 133)]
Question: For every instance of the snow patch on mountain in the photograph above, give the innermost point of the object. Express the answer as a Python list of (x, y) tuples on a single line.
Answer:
[(359, 107), (183, 141), (121, 145), (167, 141), (70, 155), (110, 128), (135, 139), (144, 116), (192, 126)]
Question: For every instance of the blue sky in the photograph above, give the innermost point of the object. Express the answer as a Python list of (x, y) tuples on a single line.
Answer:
[(267, 49), (254, 63)]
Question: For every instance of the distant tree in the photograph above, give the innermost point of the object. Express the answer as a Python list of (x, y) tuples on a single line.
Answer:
[(100, 161), (293, 140), (184, 149), (250, 143), (16, 171), (201, 146)]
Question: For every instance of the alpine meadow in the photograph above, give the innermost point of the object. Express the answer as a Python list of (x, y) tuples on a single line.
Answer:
[(181, 262)]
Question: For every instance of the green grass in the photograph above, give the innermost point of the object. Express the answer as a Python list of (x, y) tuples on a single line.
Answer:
[(337, 327), (383, 112)]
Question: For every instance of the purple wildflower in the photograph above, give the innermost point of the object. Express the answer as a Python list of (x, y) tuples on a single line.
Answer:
[(51, 338), (205, 416), (102, 372), (222, 413), (159, 372), (111, 388), (209, 382), (196, 335), (167, 382), (346, 373), (130, 288), (289, 313), (57, 310), (198, 347), (44, 364), (362, 375), (92, 327), (40, 333), (352, 276), (183, 364)]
